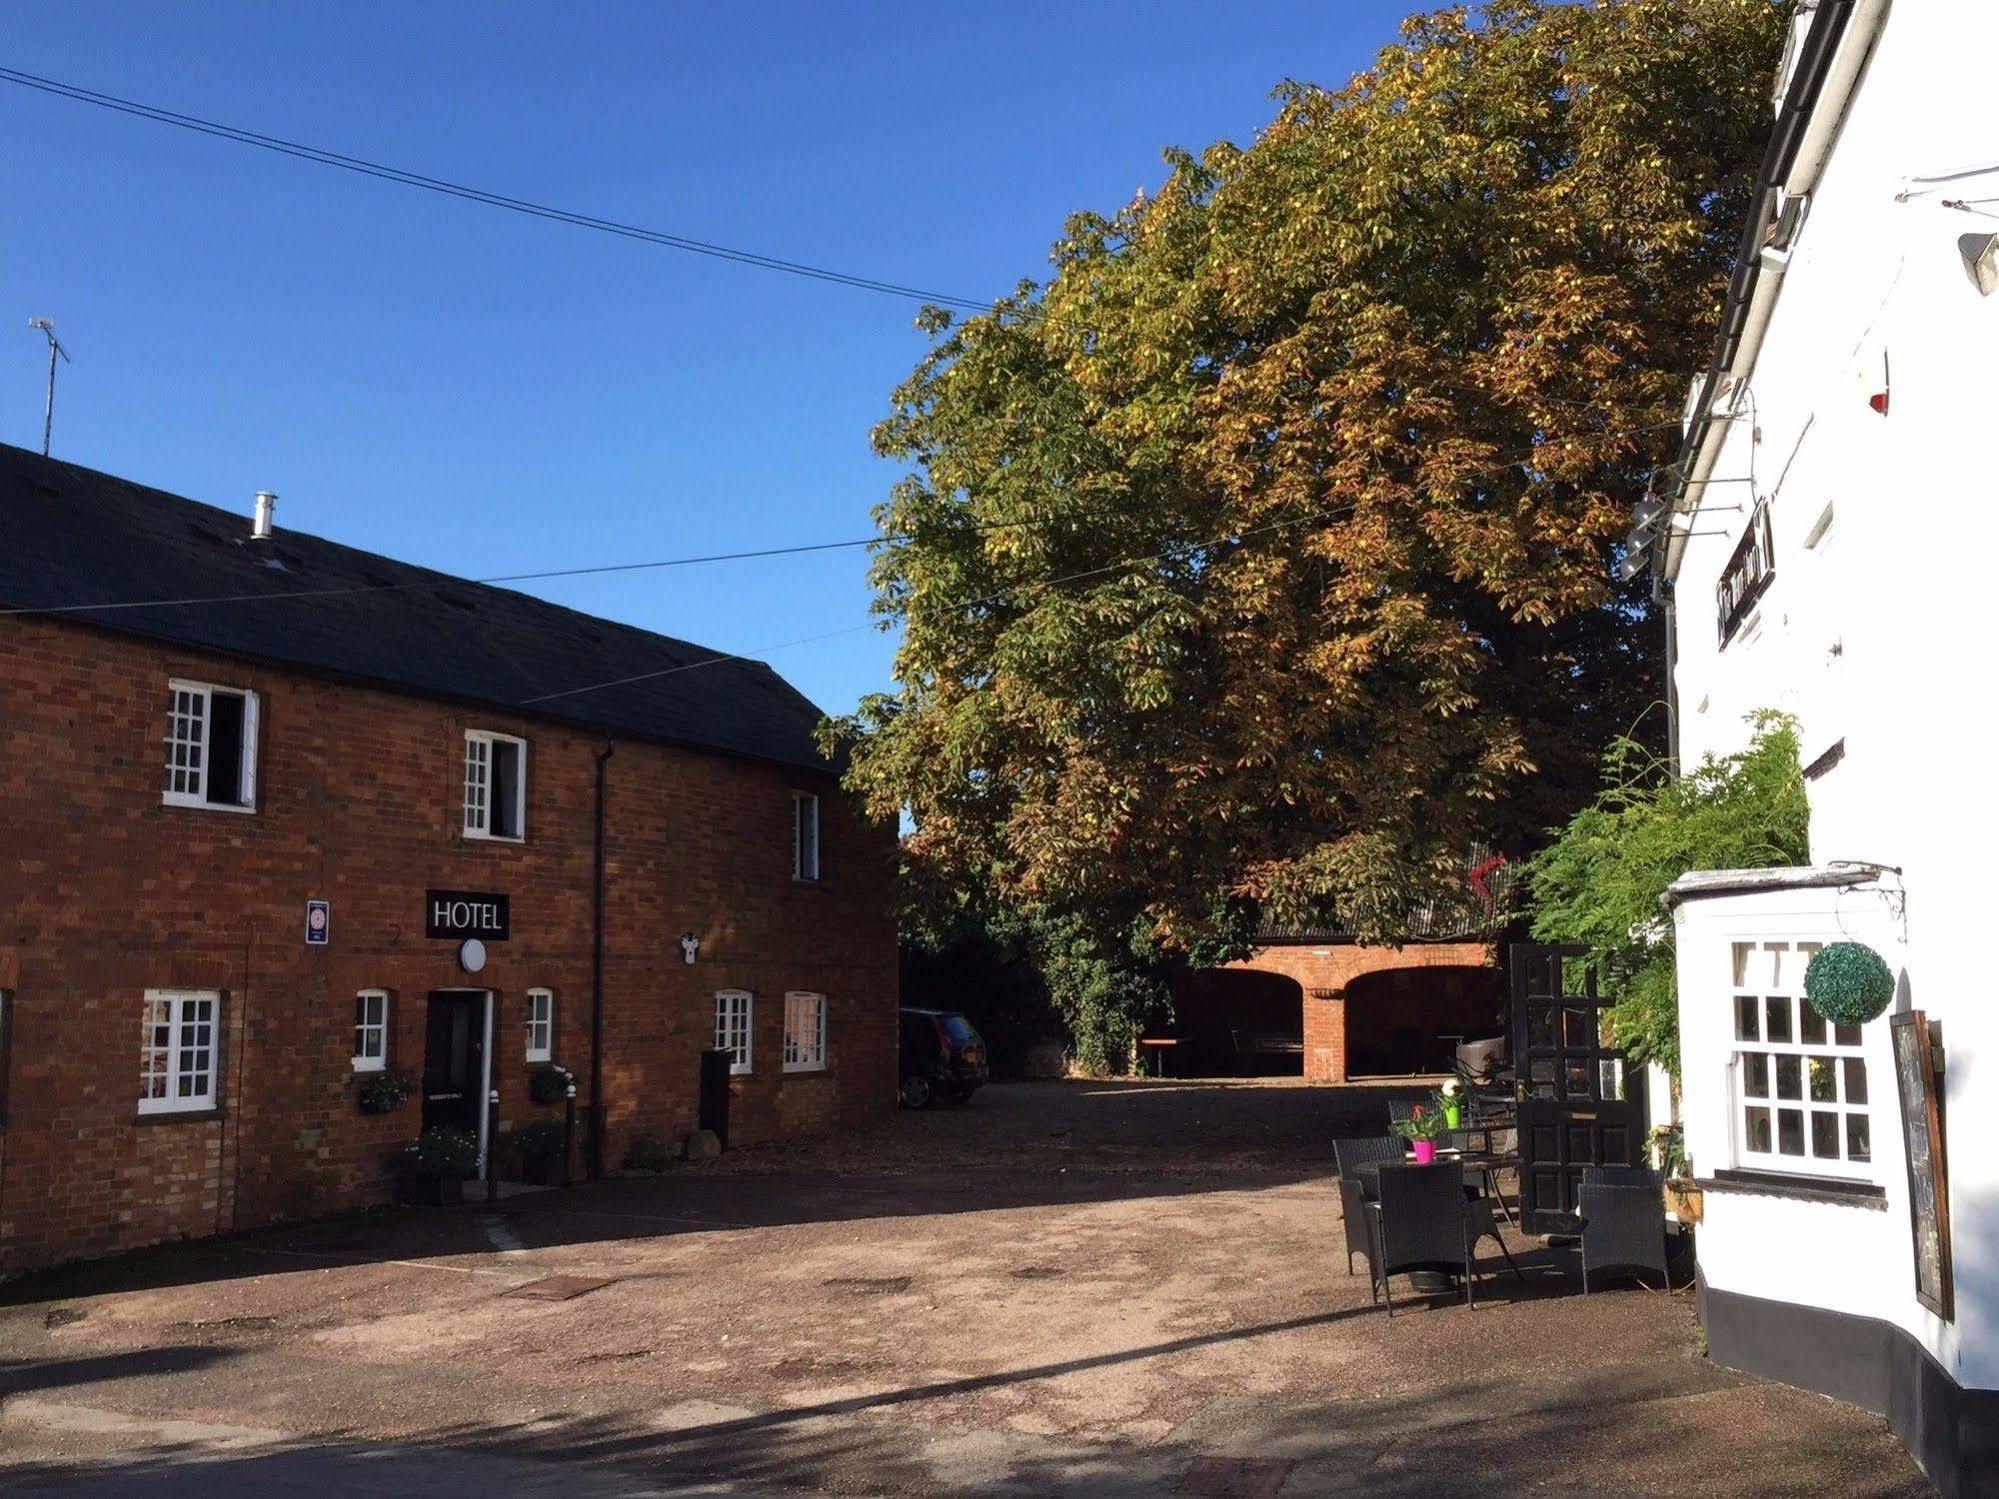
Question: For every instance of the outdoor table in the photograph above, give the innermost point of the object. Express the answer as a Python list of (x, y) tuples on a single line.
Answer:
[(1158, 1046), (1487, 1163)]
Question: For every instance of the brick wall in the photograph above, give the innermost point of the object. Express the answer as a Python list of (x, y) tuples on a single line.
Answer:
[(1324, 973), (105, 892)]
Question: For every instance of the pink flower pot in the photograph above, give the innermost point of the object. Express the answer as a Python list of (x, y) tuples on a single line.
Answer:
[(1426, 1151)]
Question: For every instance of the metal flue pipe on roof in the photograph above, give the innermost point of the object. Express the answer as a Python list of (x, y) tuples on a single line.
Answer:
[(260, 518)]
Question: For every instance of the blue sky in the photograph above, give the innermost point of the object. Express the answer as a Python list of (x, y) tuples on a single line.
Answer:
[(487, 394)]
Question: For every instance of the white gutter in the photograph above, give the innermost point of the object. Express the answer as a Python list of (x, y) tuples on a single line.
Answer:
[(1863, 29), (1856, 44)]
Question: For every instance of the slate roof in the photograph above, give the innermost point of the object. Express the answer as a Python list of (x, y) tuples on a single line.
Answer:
[(72, 536)]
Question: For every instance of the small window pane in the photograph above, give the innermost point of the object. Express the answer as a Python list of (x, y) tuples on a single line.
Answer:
[(1824, 1080), (1756, 1129), (1811, 1027), (1742, 952), (1777, 1010), (1856, 1138), (1610, 1080), (1577, 1080), (1790, 1131), (1578, 1028), (1846, 1035), (1856, 1079), (1825, 1134), (1746, 1016), (1755, 1075), (1790, 1077)]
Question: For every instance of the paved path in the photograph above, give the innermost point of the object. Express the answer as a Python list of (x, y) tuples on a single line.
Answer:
[(1065, 1288)]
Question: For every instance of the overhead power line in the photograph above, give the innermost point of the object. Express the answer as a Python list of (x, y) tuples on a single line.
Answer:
[(1506, 464), (406, 178), (1176, 553), (1179, 552)]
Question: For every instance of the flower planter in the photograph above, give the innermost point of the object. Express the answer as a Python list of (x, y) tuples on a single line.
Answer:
[(434, 1191), (1454, 1114), (1426, 1151), (1684, 1200)]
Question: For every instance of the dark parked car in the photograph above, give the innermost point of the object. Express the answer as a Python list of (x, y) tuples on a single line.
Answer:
[(942, 1057)]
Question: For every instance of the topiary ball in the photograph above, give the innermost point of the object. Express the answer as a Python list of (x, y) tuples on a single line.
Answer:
[(1848, 983)]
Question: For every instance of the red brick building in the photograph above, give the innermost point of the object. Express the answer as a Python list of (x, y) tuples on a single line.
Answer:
[(347, 817), (1315, 1000)]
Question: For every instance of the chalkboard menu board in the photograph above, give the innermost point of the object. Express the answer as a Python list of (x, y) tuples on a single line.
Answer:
[(1922, 1142)]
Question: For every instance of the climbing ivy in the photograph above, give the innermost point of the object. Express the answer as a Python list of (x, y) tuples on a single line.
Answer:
[(1598, 883)]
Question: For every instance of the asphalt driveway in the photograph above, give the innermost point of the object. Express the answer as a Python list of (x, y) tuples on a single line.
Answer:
[(1064, 1288)]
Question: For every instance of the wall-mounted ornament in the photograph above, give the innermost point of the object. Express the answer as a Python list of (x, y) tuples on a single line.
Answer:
[(1849, 983), (472, 955), (690, 948)]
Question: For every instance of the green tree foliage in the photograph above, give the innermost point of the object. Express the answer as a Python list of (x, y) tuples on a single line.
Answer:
[(1598, 883), (1264, 548)]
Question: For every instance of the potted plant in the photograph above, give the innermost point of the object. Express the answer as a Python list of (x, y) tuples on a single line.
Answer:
[(550, 1082), (384, 1092), (443, 1158), (1684, 1198), (542, 1145), (1451, 1103), (1421, 1129)]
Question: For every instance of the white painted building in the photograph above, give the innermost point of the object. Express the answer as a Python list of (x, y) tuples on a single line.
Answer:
[(1832, 520)]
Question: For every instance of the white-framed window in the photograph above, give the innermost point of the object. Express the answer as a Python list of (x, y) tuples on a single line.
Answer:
[(541, 1025), (177, 1051), (371, 1030), (804, 1032), (496, 770), (211, 747), (804, 836), (732, 1027), (1798, 1083)]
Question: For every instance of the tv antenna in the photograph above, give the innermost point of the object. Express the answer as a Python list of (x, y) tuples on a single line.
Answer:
[(48, 327)]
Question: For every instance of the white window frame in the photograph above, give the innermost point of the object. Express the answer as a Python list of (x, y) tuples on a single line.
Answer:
[(1767, 974), (181, 1013), (541, 1025), (476, 793), (804, 1031), (804, 851), (187, 754), (735, 1029), (365, 1002)]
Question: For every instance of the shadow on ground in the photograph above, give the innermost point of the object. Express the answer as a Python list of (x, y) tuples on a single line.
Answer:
[(1016, 1145)]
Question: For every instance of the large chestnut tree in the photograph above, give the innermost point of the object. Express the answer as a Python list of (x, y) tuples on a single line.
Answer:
[(1263, 550)]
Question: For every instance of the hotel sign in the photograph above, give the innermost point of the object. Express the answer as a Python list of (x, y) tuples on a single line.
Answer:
[(465, 913)]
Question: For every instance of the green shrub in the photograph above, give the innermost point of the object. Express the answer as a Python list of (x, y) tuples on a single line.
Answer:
[(1598, 884)]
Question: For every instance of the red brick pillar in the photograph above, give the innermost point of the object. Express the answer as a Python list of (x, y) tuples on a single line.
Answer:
[(1325, 1035)]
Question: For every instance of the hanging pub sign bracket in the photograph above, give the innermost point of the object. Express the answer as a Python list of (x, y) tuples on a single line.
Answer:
[(458, 914)]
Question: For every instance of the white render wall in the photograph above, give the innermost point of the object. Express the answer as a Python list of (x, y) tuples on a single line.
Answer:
[(1881, 634)]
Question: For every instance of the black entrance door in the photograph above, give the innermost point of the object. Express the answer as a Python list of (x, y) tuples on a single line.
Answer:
[(453, 1060), (1581, 1105)]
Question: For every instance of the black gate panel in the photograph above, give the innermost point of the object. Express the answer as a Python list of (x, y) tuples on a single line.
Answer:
[(1581, 1104)]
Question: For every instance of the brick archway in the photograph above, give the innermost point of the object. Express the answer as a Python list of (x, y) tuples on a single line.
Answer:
[(1325, 972)]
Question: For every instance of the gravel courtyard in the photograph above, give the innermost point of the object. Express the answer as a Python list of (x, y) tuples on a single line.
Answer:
[(1062, 1288)]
